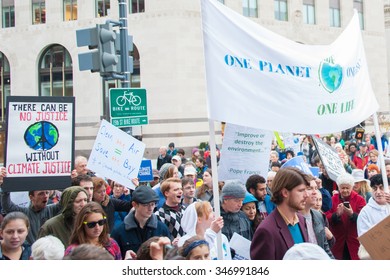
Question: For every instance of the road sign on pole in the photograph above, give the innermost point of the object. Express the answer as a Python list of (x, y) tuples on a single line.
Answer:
[(128, 107)]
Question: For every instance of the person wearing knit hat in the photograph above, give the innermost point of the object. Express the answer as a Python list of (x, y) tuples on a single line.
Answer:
[(251, 210), (235, 220), (72, 201)]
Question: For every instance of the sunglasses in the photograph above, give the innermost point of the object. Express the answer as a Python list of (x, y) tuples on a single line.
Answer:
[(93, 224)]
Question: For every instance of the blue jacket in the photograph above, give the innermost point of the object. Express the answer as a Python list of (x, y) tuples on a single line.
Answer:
[(26, 253), (130, 236), (269, 205)]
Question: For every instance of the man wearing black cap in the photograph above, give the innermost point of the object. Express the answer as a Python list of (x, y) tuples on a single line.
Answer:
[(140, 224)]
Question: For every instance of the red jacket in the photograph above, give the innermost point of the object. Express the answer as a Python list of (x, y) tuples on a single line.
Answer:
[(344, 228), (360, 160)]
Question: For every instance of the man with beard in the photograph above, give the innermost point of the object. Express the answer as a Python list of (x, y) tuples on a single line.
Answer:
[(256, 185), (284, 227)]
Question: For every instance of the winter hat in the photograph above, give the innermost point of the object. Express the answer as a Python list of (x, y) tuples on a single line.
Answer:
[(358, 176), (164, 169), (250, 198), (190, 170), (144, 195), (233, 189), (306, 251)]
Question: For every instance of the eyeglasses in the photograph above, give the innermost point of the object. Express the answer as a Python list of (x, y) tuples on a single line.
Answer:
[(93, 224)]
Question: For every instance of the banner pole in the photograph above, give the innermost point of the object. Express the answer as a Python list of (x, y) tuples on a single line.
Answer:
[(217, 210), (380, 150)]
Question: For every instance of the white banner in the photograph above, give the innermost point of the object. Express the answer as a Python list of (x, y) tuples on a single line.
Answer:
[(116, 155), (259, 79), (245, 151)]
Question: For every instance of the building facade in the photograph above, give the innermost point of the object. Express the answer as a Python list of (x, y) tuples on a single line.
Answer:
[(39, 56)]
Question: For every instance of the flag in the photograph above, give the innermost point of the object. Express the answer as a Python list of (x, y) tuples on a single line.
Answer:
[(256, 78)]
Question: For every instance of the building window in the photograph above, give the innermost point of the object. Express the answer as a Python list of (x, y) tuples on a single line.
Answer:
[(70, 10), (8, 13), (5, 90), (137, 6), (280, 8), (5, 83), (249, 8), (358, 5), (38, 11), (309, 14), (55, 72), (102, 8), (334, 13)]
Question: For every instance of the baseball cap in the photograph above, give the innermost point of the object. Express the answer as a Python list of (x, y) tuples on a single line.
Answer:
[(176, 158)]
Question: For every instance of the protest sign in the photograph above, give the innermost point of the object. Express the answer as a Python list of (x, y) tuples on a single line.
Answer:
[(39, 142), (116, 155), (299, 163), (245, 151), (145, 173), (376, 241), (330, 159)]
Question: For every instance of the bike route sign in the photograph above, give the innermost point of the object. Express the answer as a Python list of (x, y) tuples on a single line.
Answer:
[(128, 107)]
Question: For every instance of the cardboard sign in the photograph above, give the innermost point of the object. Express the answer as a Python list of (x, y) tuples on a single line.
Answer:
[(245, 151), (116, 155), (39, 151), (376, 241), (330, 159), (145, 173)]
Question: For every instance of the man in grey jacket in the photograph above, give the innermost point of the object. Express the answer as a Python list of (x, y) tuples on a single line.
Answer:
[(315, 223), (38, 212)]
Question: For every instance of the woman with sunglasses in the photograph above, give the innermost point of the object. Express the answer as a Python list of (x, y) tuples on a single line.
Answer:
[(91, 227)]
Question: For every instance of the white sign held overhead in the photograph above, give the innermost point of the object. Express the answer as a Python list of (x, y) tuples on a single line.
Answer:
[(116, 155), (251, 70), (245, 151)]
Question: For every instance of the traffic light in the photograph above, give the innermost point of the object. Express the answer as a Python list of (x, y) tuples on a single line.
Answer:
[(109, 60), (89, 60)]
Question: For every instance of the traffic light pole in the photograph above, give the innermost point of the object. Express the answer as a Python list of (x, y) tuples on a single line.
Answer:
[(124, 39)]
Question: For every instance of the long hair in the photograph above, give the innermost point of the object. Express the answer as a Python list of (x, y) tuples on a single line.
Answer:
[(203, 188), (79, 235), (287, 178), (202, 209)]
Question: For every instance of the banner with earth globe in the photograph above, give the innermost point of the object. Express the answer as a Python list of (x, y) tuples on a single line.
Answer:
[(257, 78), (39, 148)]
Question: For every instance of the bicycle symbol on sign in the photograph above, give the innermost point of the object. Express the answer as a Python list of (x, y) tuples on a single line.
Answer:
[(129, 97)]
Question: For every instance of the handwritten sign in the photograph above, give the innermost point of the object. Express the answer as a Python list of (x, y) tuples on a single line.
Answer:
[(376, 241), (40, 142), (329, 157), (116, 155), (245, 151)]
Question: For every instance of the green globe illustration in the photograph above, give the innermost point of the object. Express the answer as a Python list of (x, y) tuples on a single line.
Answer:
[(331, 76), (41, 136)]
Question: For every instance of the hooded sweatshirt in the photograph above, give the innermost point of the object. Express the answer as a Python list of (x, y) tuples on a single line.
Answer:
[(61, 225), (188, 223), (370, 215)]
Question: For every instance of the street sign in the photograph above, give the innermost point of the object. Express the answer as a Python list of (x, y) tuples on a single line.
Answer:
[(128, 107)]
